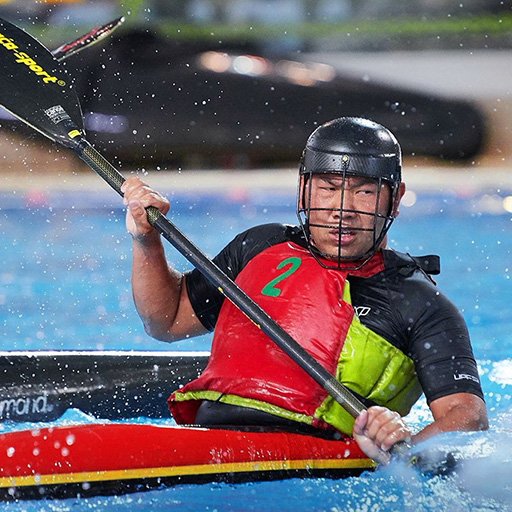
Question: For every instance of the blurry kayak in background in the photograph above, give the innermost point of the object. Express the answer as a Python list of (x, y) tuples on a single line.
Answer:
[(42, 385), (150, 100)]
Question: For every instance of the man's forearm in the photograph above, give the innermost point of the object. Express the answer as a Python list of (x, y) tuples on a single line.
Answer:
[(156, 289), (467, 415)]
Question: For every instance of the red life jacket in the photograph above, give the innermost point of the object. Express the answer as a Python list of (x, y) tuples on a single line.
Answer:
[(306, 300)]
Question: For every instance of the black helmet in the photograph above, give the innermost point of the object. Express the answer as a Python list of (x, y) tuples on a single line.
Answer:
[(350, 146)]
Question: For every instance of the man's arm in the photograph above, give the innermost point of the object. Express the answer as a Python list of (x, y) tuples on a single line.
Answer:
[(159, 292), (438, 343)]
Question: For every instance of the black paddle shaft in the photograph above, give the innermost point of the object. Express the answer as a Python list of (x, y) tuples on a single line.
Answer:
[(226, 286), (37, 89)]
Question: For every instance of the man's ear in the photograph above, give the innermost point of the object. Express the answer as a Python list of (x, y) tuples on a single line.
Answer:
[(303, 190), (401, 192)]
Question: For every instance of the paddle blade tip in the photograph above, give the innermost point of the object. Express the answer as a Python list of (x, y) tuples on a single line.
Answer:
[(434, 463)]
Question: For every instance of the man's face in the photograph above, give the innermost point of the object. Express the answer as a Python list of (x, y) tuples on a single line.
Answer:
[(349, 203)]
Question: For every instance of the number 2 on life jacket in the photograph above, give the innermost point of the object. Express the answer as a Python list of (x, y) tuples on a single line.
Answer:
[(270, 288)]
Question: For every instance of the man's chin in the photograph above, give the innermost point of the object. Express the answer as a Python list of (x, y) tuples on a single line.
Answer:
[(344, 255)]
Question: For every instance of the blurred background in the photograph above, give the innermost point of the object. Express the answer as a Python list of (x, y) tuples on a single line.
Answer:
[(240, 84)]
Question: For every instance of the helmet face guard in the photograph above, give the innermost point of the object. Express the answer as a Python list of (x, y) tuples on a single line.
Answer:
[(337, 157)]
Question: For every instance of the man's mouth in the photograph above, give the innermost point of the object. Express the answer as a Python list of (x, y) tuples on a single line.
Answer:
[(343, 235)]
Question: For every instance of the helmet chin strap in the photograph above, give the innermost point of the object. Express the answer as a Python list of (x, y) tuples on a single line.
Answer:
[(354, 263)]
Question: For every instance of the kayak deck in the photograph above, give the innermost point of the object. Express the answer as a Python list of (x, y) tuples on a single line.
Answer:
[(110, 458)]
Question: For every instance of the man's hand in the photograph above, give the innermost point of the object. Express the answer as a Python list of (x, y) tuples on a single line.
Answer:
[(138, 196), (376, 430)]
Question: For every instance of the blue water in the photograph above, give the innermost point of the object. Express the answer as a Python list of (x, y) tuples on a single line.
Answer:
[(64, 284)]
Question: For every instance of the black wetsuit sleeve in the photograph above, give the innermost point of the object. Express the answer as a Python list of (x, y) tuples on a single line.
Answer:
[(204, 297), (440, 347)]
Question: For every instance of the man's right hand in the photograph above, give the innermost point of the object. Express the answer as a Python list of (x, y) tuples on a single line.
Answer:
[(138, 196)]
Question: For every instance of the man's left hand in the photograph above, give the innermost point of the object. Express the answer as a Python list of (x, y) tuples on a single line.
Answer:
[(377, 429)]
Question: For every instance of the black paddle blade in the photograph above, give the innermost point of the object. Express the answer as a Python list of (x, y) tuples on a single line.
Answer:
[(92, 37), (35, 88)]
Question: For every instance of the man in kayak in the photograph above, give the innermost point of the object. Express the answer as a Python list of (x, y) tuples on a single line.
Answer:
[(370, 315)]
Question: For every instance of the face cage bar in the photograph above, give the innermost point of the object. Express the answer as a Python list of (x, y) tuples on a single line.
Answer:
[(303, 214)]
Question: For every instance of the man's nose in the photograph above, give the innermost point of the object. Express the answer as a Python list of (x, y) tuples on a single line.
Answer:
[(343, 201)]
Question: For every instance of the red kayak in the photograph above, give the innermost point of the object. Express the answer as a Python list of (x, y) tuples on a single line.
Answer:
[(115, 458)]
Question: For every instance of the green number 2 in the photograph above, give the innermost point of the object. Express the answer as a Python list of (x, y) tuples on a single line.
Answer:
[(270, 288)]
